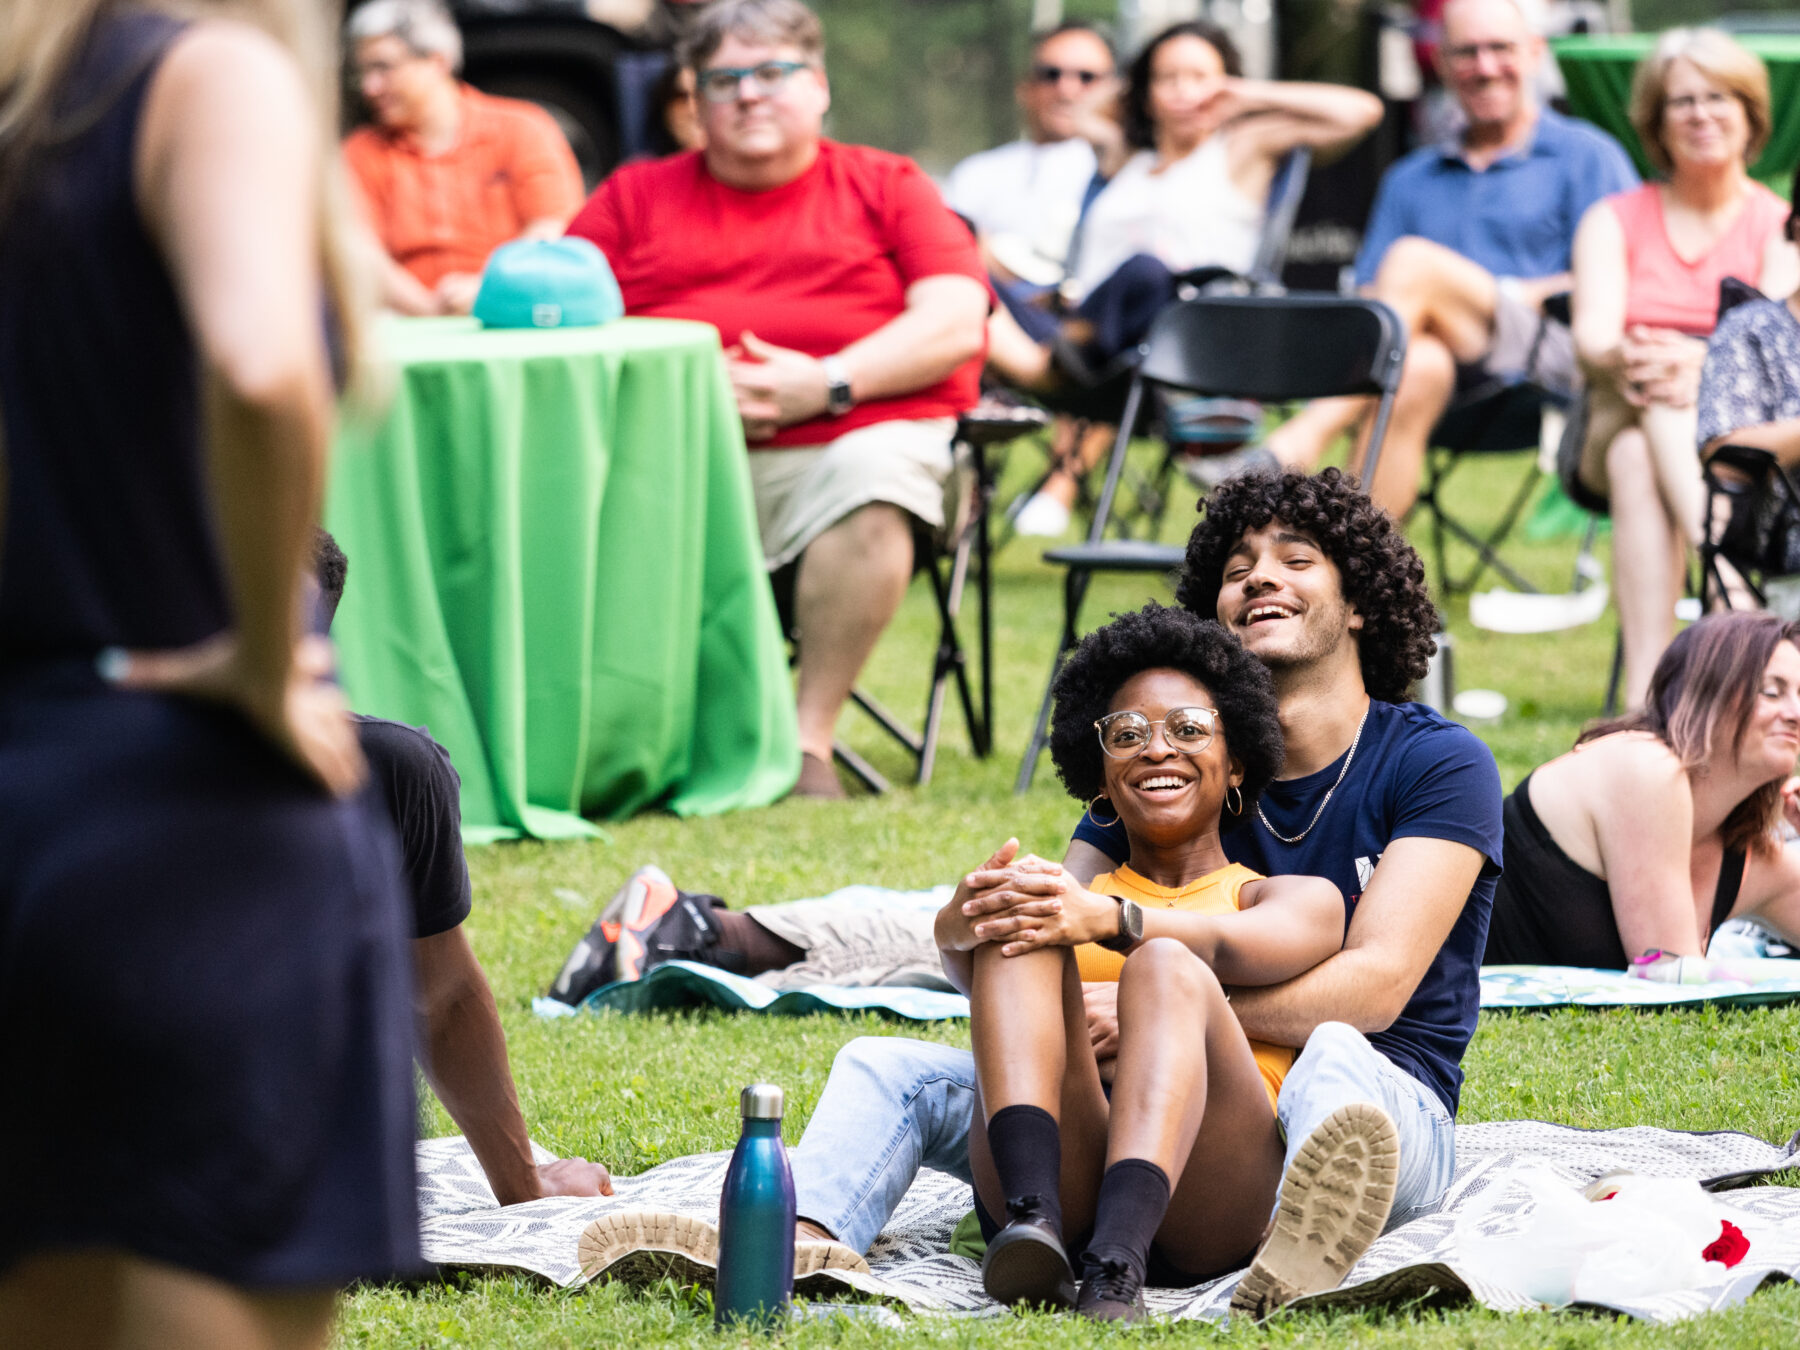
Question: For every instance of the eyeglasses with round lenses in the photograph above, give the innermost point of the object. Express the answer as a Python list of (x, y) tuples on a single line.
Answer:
[(1126, 735), (720, 84), (1468, 53)]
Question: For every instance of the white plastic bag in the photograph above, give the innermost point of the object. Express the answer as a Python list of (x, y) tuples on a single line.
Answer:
[(1648, 1237)]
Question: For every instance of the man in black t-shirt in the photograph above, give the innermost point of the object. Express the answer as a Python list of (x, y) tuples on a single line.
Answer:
[(462, 1047)]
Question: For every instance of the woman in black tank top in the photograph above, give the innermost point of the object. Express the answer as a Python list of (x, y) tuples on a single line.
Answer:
[(1660, 826), (203, 979)]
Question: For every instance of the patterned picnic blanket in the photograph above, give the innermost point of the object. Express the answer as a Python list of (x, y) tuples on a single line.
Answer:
[(910, 1263)]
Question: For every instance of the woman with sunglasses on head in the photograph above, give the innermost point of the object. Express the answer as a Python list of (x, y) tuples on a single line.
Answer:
[(1658, 827), (1163, 718), (1647, 268), (1187, 160)]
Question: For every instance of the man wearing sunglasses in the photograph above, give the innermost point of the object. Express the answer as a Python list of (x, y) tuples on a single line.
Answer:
[(851, 305), (1467, 240), (1024, 197)]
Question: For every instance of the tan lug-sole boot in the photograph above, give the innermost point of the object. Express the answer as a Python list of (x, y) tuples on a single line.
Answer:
[(1335, 1199), (642, 1246)]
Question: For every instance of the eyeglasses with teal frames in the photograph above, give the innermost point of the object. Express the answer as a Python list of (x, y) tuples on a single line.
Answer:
[(720, 84)]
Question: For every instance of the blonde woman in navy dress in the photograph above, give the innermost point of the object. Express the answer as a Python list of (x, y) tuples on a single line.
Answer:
[(204, 991)]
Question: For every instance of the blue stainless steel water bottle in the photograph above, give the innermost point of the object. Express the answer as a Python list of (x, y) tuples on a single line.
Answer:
[(756, 1217)]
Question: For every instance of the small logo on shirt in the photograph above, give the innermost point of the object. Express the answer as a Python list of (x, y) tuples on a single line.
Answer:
[(1365, 868)]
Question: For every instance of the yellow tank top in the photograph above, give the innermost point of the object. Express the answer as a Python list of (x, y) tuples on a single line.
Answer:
[(1215, 893)]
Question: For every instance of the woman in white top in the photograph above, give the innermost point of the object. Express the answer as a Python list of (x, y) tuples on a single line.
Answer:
[(1188, 163)]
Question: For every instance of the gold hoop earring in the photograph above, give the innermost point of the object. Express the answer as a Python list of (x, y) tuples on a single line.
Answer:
[(1103, 824), (1237, 810)]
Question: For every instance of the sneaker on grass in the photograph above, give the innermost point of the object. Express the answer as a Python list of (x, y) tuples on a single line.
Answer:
[(646, 923), (643, 1246), (1334, 1202)]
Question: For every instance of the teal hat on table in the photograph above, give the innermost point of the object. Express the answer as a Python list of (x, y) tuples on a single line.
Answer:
[(547, 283)]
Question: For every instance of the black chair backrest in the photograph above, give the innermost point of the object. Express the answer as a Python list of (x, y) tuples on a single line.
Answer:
[(1760, 529), (1275, 348), (1285, 191)]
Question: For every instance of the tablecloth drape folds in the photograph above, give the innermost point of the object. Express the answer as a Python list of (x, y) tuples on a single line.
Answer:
[(554, 565)]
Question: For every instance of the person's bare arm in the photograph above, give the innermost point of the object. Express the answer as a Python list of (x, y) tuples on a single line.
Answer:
[(1780, 271), (1643, 823), (463, 1052), (1411, 904), (942, 326), (1272, 117), (1598, 299), (1781, 439), (226, 180)]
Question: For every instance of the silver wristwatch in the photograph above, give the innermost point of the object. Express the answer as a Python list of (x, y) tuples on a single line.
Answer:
[(1131, 927), (838, 399)]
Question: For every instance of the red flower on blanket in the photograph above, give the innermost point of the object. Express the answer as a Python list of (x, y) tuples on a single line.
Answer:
[(1729, 1247)]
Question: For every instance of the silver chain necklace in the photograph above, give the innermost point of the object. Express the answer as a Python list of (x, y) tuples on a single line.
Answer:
[(1348, 760)]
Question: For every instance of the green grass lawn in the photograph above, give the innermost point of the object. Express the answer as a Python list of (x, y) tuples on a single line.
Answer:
[(636, 1091)]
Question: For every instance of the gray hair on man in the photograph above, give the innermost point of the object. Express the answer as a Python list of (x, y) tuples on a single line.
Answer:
[(778, 23), (423, 25)]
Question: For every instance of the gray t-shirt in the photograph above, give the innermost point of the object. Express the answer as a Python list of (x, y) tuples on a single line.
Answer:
[(1752, 372)]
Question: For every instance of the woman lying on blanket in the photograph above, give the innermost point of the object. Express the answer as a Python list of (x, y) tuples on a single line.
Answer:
[(1658, 827), (1163, 718)]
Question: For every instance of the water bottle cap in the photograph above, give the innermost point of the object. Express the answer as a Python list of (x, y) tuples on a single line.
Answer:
[(762, 1101)]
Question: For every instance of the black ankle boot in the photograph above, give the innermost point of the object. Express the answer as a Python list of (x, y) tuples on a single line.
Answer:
[(1026, 1262), (1111, 1291)]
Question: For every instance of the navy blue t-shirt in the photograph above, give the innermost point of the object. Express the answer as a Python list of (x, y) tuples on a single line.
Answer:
[(1416, 774)]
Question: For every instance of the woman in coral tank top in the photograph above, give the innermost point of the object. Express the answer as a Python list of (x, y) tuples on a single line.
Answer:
[(1647, 269)]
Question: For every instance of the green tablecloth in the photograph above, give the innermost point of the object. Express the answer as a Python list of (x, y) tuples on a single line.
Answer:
[(554, 565), (1598, 69)]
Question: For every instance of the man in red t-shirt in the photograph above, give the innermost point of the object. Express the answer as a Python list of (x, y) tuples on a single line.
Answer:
[(852, 307)]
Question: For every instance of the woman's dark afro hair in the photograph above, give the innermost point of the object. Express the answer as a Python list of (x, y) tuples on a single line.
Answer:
[(1383, 579), (1157, 638)]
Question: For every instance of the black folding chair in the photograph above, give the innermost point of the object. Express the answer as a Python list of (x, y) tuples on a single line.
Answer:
[(1274, 349), (1488, 417), (947, 559), (1147, 495), (1752, 521)]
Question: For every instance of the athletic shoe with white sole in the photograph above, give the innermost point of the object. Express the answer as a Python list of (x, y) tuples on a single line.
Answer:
[(642, 1246), (1334, 1203), (648, 921)]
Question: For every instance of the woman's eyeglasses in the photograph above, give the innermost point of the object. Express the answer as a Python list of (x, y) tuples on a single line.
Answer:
[(1126, 735), (1712, 102), (1056, 75), (721, 83)]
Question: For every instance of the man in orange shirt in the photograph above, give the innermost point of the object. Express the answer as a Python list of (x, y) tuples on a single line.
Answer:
[(447, 174)]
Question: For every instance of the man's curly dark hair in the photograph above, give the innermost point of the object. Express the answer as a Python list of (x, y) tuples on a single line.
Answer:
[(1158, 637), (1383, 578)]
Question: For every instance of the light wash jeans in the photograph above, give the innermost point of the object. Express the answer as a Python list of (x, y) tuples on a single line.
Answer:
[(893, 1105)]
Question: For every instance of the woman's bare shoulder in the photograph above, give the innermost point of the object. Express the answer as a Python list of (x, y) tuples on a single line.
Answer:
[(1637, 759)]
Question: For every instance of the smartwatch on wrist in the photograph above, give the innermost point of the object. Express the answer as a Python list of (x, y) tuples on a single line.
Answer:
[(1131, 927), (838, 399)]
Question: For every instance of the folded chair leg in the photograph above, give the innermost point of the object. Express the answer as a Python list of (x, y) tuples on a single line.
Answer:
[(860, 768), (1074, 590)]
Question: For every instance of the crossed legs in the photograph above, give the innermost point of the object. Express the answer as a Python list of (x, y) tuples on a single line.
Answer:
[(1652, 475), (1447, 304), (1187, 1095)]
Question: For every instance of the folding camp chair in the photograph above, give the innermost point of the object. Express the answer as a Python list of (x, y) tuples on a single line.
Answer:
[(947, 559), (1139, 513), (1487, 417), (1274, 349)]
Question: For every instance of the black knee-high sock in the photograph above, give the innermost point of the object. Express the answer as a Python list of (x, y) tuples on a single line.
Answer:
[(1134, 1196), (1027, 1153)]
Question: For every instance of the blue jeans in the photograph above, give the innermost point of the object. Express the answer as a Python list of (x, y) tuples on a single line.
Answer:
[(893, 1105)]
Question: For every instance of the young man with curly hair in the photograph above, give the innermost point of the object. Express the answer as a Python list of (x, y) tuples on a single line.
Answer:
[(1394, 804)]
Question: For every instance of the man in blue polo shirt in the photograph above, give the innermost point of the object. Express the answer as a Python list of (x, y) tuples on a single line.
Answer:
[(1466, 240)]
